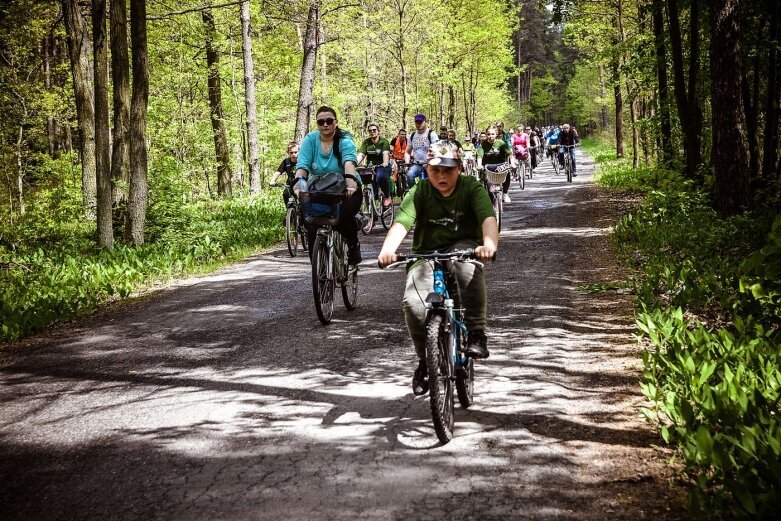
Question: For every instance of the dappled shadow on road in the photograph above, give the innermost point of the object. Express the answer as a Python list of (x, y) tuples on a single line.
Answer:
[(225, 398)]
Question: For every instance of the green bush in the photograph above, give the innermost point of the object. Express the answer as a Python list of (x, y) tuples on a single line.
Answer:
[(716, 396), (708, 298), (53, 271)]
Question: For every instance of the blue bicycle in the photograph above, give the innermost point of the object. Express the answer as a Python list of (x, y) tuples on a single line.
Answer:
[(446, 336)]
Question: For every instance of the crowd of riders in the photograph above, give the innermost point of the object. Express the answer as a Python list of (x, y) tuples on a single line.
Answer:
[(448, 211)]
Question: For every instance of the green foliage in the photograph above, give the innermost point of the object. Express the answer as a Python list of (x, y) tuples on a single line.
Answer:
[(716, 395), (708, 292), (56, 274)]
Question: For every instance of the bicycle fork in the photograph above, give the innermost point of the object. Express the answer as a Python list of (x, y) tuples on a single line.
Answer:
[(439, 301)]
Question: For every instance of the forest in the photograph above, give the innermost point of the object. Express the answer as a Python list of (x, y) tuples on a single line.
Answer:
[(138, 138)]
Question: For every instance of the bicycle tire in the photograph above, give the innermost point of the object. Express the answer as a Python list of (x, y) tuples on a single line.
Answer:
[(350, 283), (291, 231), (322, 283), (367, 209), (303, 236), (465, 383), (440, 384), (522, 176), (388, 214), (568, 169), (530, 168), (498, 207)]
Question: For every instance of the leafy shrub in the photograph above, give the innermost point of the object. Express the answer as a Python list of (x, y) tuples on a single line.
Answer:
[(63, 275), (716, 395), (708, 297)]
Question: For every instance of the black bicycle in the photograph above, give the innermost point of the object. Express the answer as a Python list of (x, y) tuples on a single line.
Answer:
[(329, 258), (372, 204), (446, 334), (295, 229)]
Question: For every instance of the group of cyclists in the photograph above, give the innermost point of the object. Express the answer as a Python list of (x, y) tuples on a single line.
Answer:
[(447, 210)]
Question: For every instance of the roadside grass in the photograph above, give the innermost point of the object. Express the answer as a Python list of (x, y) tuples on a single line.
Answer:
[(709, 313), (51, 271)]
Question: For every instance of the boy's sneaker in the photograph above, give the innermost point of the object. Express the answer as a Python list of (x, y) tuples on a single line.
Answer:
[(354, 255), (506, 198), (476, 344), (420, 379)]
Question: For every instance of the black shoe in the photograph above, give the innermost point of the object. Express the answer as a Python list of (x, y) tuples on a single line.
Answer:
[(420, 379), (354, 255), (476, 345)]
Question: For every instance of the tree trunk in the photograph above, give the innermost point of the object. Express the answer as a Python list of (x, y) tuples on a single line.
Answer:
[(249, 97), (224, 175), (731, 181), (661, 75), (139, 188), (120, 76), (20, 168), (46, 52), (603, 94), (688, 107), (771, 105), (306, 96), (80, 49), (619, 108), (102, 144)]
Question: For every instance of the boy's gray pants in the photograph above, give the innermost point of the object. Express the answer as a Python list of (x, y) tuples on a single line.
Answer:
[(420, 282)]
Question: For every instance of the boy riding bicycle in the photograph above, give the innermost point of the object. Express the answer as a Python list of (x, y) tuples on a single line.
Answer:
[(449, 212)]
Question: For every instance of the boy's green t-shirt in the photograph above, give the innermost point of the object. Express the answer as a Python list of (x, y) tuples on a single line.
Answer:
[(441, 221)]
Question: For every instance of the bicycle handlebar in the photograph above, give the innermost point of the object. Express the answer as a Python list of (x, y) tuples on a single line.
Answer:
[(467, 255)]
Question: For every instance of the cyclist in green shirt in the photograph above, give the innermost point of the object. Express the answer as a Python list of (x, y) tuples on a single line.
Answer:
[(376, 150), (449, 212)]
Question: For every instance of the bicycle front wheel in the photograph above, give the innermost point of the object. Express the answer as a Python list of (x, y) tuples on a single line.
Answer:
[(322, 281), (568, 168), (522, 176), (291, 231), (439, 371), (497, 203)]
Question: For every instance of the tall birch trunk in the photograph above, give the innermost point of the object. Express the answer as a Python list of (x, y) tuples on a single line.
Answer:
[(306, 95), (139, 188), (102, 144), (120, 76), (249, 98), (79, 51), (224, 187)]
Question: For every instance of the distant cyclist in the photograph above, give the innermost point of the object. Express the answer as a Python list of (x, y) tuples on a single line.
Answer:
[(568, 137), (376, 150), (417, 149), (399, 145), (492, 153), (288, 168)]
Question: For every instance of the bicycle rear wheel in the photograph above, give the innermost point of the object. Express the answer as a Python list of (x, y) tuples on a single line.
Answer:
[(465, 383), (440, 385), (322, 281), (291, 231)]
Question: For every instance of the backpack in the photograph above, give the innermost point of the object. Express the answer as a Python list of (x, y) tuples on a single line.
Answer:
[(337, 142)]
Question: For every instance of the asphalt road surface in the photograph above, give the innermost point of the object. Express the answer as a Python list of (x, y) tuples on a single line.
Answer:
[(222, 397)]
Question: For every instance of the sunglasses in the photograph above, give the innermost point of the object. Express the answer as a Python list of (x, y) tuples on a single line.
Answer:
[(325, 121)]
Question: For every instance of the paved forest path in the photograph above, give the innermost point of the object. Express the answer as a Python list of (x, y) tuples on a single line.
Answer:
[(224, 398)]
